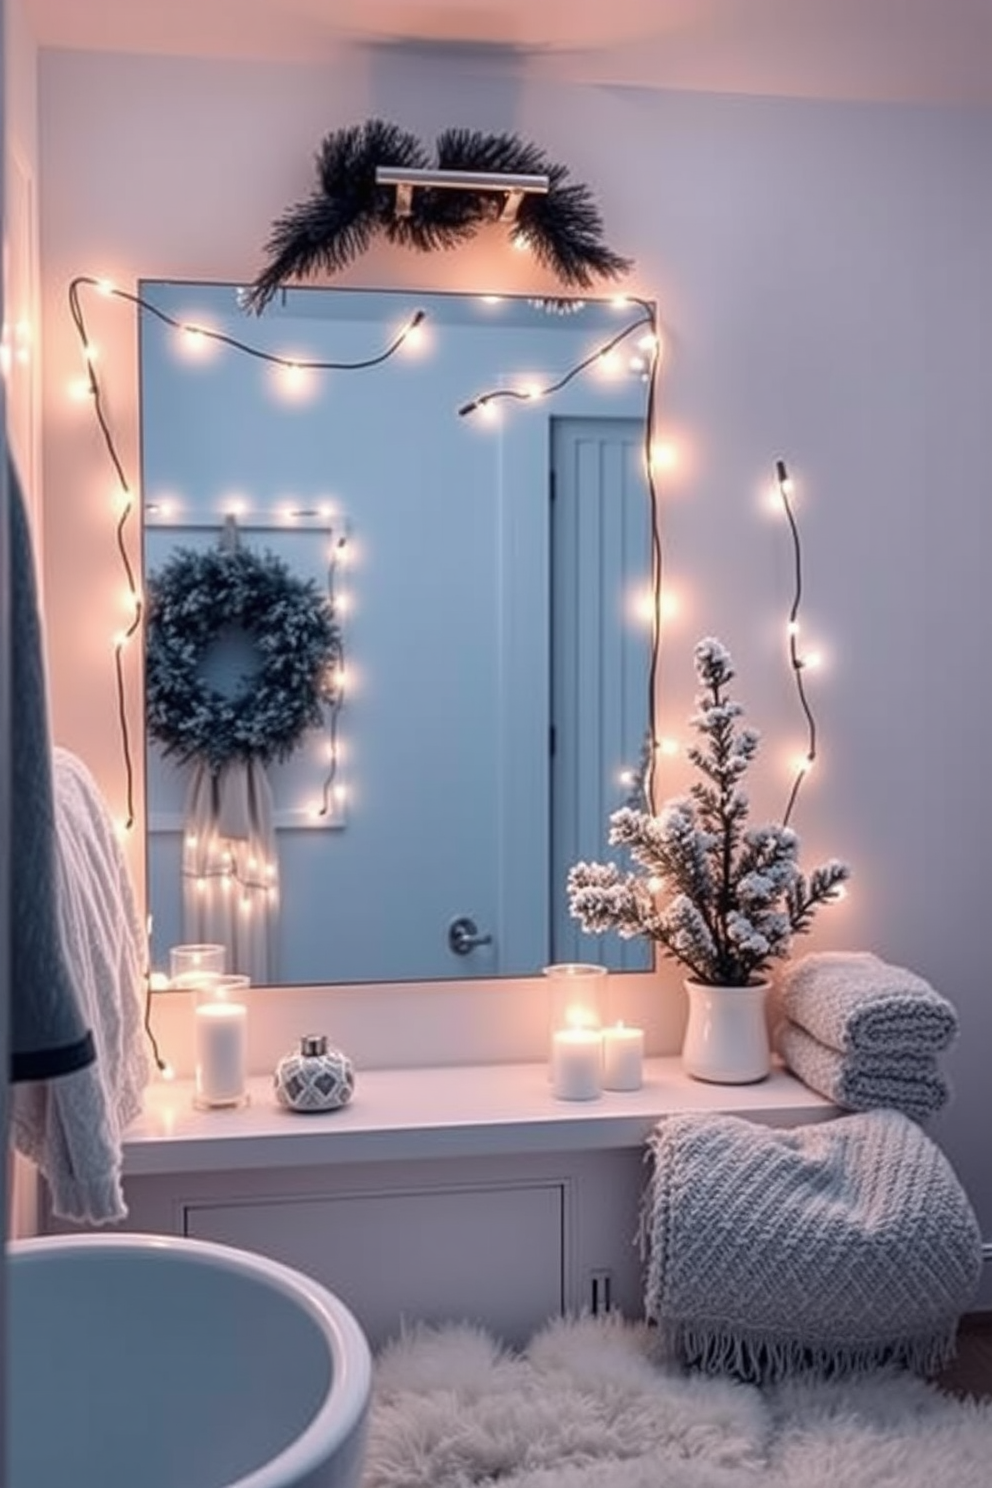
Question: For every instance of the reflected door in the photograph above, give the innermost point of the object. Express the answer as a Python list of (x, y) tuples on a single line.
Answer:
[(600, 656)]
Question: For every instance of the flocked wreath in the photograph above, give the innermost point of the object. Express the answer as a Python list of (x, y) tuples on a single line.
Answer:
[(193, 600), (348, 207)]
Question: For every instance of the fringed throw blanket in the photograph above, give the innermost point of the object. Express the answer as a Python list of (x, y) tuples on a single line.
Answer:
[(830, 1248)]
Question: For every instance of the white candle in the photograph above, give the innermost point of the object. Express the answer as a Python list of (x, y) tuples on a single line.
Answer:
[(220, 1032), (576, 1063), (623, 1057)]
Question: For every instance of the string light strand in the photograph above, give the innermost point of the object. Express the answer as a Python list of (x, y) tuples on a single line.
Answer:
[(127, 501), (336, 702), (796, 661), (528, 395)]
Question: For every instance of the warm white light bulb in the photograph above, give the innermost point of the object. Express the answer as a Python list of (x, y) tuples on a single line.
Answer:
[(669, 746), (642, 607), (105, 287), (664, 455), (193, 341), (294, 382), (415, 337)]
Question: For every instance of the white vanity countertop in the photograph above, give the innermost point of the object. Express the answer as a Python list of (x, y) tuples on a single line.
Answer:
[(456, 1111)]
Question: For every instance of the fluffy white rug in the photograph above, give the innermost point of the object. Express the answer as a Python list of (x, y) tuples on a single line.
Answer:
[(586, 1407)]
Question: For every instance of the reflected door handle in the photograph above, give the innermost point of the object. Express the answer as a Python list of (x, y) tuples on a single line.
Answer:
[(463, 936)]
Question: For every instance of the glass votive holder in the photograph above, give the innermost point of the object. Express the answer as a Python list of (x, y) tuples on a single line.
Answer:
[(576, 994), (188, 963), (220, 1041)]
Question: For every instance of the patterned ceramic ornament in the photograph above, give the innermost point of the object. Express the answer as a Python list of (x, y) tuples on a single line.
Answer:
[(314, 1077)]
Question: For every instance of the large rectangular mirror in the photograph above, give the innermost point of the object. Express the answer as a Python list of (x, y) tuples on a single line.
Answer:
[(482, 554)]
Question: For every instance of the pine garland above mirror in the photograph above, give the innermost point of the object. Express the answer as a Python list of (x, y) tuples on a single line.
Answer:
[(559, 221)]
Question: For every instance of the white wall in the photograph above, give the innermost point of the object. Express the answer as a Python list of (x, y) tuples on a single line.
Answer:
[(823, 277)]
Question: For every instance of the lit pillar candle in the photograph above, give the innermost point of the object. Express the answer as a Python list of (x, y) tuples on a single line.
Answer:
[(221, 1052), (623, 1057), (220, 1041), (576, 1063)]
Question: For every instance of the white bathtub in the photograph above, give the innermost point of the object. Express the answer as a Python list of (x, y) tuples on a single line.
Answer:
[(141, 1361)]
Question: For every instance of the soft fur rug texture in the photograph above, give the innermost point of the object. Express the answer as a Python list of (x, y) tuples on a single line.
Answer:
[(586, 1406)]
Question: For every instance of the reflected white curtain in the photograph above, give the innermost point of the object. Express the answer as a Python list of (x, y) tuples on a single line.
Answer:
[(230, 870)]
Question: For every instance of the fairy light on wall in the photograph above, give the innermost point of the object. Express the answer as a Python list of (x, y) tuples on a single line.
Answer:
[(124, 502), (798, 662)]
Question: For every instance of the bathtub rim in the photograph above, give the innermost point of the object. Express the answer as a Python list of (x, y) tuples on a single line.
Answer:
[(339, 1417)]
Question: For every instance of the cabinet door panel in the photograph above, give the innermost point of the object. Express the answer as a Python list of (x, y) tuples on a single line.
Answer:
[(492, 1256)]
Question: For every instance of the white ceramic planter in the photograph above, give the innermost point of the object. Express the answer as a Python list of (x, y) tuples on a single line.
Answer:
[(726, 1037)]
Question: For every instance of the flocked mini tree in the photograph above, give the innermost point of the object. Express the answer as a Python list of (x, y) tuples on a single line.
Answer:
[(722, 898)]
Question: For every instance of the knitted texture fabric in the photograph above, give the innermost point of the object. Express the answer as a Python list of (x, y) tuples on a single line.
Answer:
[(853, 1000), (910, 1083), (832, 1248), (72, 1127)]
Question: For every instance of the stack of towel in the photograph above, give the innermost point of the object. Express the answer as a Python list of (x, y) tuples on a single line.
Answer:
[(865, 1033)]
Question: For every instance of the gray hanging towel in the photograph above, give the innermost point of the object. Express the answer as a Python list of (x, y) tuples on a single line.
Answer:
[(48, 1033)]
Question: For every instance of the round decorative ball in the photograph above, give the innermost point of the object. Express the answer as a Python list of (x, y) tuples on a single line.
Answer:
[(314, 1077)]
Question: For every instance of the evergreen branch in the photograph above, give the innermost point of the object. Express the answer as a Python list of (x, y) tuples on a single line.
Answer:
[(736, 895), (348, 207)]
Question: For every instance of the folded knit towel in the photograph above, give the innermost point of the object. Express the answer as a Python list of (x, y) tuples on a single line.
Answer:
[(830, 1248), (855, 1000), (910, 1083)]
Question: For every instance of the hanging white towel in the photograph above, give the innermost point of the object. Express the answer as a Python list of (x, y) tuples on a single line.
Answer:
[(230, 866), (73, 1127)]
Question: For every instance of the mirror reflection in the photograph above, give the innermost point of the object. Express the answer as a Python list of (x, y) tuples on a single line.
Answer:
[(397, 553)]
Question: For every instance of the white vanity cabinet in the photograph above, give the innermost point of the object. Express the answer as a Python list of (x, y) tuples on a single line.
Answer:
[(438, 1195)]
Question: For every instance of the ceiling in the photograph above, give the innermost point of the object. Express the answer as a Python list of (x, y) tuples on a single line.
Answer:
[(914, 50)]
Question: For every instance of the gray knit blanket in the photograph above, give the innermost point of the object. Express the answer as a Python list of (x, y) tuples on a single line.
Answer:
[(831, 1248), (853, 1000), (911, 1083)]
